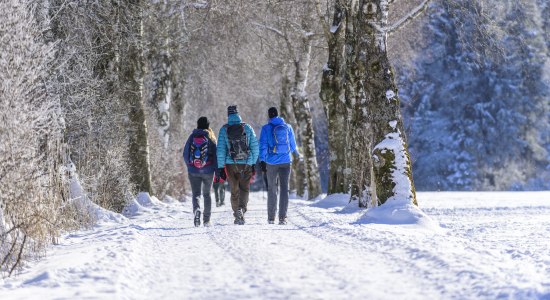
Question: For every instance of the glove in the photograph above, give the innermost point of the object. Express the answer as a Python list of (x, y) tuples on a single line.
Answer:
[(221, 174), (263, 166)]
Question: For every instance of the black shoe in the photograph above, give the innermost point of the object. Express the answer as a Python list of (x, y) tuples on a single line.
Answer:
[(197, 218), (222, 204), (237, 221), (282, 221), (270, 221)]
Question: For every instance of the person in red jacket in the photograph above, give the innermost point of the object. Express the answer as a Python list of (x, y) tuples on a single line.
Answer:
[(219, 190)]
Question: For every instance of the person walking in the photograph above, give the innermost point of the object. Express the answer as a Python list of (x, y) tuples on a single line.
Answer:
[(277, 143), (219, 190), (201, 160), (237, 152)]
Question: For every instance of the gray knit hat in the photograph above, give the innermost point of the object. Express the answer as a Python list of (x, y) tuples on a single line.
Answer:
[(232, 110)]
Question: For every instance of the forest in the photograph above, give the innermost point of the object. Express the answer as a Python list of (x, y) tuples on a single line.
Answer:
[(386, 97)]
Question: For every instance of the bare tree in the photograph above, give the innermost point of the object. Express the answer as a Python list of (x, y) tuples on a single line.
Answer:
[(130, 64), (295, 24), (30, 139)]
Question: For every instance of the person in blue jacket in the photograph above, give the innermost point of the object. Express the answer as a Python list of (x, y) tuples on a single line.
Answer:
[(200, 157), (277, 143), (238, 152)]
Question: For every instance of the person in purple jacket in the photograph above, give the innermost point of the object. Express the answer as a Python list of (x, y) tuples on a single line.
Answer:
[(277, 143), (200, 157)]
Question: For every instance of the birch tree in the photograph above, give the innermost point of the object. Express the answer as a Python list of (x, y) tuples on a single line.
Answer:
[(295, 25)]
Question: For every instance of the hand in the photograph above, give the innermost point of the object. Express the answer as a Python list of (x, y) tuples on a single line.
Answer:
[(220, 173), (253, 169), (263, 166)]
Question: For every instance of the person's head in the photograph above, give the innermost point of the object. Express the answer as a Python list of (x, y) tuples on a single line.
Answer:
[(232, 109), (272, 112), (202, 123)]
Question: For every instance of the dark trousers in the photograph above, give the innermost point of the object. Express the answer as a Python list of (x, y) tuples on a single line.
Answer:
[(219, 192), (282, 173), (202, 183), (239, 182)]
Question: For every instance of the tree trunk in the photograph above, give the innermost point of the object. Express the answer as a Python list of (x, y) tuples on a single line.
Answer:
[(161, 97), (286, 111), (377, 115), (335, 103), (130, 64), (304, 118)]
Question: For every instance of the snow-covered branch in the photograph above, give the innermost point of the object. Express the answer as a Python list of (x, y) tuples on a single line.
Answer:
[(323, 21), (197, 5), (270, 28), (407, 18)]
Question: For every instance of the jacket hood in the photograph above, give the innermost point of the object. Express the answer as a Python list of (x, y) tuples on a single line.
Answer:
[(195, 131), (276, 121), (234, 119)]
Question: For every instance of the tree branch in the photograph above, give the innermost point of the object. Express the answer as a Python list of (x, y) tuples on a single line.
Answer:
[(270, 28), (408, 18), (324, 23), (19, 256)]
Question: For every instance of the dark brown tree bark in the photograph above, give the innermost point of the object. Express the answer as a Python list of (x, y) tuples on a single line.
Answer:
[(336, 105), (130, 75), (359, 71)]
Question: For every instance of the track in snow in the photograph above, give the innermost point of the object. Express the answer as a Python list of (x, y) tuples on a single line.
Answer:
[(485, 249)]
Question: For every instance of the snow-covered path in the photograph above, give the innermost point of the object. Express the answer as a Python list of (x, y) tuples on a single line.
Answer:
[(485, 246)]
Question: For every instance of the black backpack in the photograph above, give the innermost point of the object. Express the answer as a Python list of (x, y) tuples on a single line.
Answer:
[(238, 141)]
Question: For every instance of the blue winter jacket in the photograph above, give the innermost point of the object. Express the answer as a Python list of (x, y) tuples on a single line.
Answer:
[(223, 144), (212, 158), (267, 141)]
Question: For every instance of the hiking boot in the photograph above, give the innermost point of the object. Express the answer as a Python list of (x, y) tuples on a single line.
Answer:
[(282, 221), (197, 220), (239, 216), (237, 221)]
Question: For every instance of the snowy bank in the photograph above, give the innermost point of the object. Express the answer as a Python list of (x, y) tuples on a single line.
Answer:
[(82, 202), (392, 213)]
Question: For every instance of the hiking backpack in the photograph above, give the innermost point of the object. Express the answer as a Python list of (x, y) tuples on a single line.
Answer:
[(238, 141), (198, 151), (281, 138)]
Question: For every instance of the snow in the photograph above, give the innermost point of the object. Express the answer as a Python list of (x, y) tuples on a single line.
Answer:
[(83, 202), (467, 245), (402, 192), (390, 94)]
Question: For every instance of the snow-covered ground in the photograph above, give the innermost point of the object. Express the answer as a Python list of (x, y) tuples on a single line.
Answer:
[(472, 246)]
